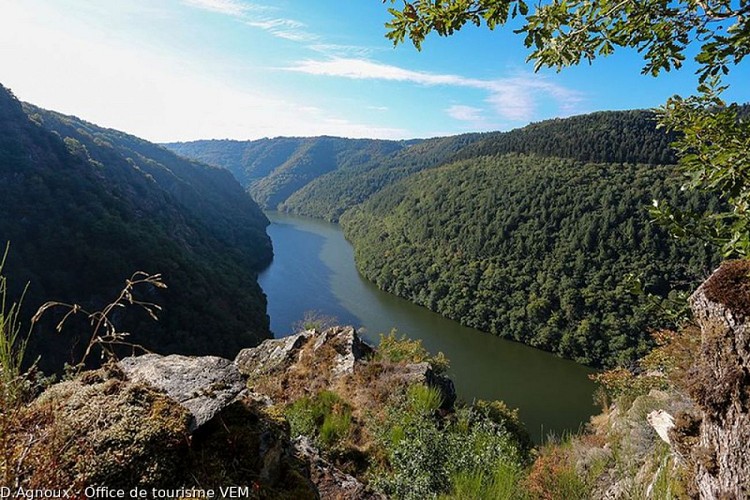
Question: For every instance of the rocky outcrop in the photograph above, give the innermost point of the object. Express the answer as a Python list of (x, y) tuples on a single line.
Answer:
[(331, 483), (720, 383), (203, 385), (271, 354), (102, 429), (277, 354)]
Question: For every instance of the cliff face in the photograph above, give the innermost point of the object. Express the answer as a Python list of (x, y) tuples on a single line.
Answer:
[(720, 383)]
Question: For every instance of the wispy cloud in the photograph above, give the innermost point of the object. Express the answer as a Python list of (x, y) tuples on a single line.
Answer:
[(339, 50), (236, 8), (251, 14), (464, 113), (289, 29), (514, 98)]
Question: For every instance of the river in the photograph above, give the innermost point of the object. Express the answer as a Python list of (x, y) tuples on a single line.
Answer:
[(313, 270)]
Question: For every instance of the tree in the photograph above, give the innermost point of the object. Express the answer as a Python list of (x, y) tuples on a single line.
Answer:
[(714, 144), (565, 32)]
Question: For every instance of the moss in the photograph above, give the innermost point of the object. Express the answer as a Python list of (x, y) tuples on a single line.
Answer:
[(730, 286), (99, 430)]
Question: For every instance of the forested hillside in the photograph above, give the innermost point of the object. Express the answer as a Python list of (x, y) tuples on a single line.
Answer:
[(273, 169), (84, 207), (324, 176), (330, 195), (606, 136), (530, 248), (528, 234)]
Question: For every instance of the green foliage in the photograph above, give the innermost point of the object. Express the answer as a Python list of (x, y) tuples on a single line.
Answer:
[(499, 482), (12, 347), (405, 350), (603, 137), (423, 399), (714, 152), (330, 195), (564, 33), (712, 142), (273, 169), (325, 417), (427, 457), (532, 249), (81, 222), (282, 173)]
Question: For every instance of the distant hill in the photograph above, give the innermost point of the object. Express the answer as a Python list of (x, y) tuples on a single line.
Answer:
[(273, 169), (84, 207), (324, 176), (605, 137), (527, 234)]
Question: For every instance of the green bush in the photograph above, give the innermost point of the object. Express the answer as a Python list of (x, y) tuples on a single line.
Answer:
[(324, 417), (428, 456), (423, 399), (498, 483), (400, 349)]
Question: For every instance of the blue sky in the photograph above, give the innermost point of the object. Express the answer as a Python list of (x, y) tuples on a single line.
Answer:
[(170, 70)]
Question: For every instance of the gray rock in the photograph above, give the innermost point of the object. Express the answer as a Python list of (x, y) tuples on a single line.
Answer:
[(330, 482), (203, 385), (661, 421), (348, 346), (271, 354), (422, 373), (277, 354)]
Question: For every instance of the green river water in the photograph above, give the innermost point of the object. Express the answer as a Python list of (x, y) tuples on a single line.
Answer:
[(313, 270)]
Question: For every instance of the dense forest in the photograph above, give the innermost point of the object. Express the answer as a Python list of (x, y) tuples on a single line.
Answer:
[(325, 176), (528, 234), (530, 248), (85, 207), (273, 169), (605, 136)]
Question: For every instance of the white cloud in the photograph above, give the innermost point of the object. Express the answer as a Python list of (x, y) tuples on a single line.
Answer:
[(289, 29), (335, 49), (464, 113), (514, 98), (236, 8)]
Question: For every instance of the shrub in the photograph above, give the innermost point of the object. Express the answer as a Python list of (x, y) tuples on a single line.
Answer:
[(553, 476), (400, 349), (428, 456), (499, 483), (325, 417)]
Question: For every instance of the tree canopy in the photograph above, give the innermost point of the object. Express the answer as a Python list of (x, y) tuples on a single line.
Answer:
[(565, 32)]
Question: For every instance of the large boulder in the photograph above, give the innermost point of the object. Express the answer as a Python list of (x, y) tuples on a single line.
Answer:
[(271, 354), (203, 385), (102, 429), (274, 355)]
